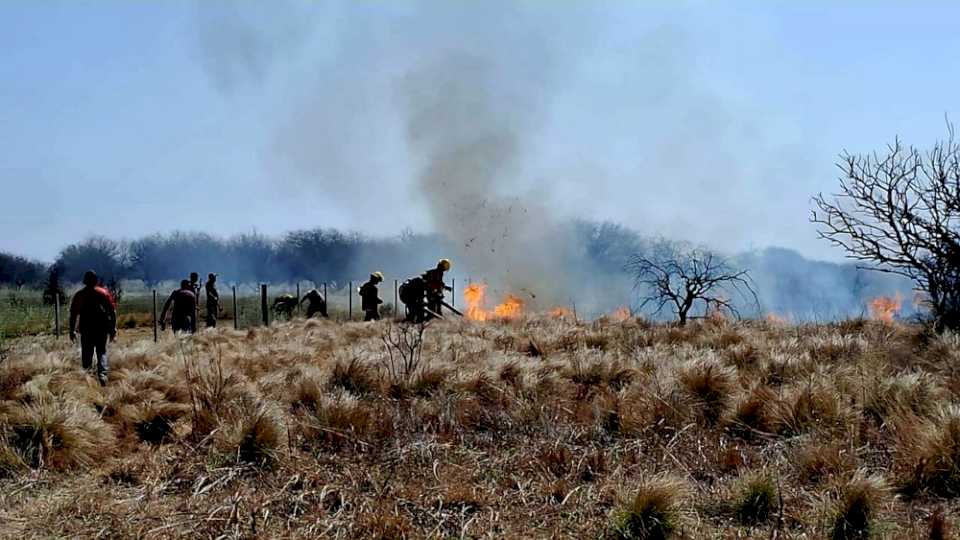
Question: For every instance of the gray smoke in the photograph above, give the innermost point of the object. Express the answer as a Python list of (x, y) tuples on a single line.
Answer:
[(493, 123), (471, 125)]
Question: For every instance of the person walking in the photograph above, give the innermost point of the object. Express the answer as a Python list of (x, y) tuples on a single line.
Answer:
[(184, 302), (93, 306), (370, 297), (213, 300)]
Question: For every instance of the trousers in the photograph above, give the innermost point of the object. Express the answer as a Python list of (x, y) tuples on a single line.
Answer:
[(95, 344)]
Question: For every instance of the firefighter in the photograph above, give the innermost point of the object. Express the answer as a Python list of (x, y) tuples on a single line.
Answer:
[(195, 287), (316, 303), (183, 315), (433, 281), (412, 292), (98, 322), (284, 305), (370, 297), (213, 300)]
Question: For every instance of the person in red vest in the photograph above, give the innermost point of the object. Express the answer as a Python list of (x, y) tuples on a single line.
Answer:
[(93, 306), (103, 288)]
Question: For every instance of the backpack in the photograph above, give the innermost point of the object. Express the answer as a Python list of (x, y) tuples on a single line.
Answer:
[(411, 290)]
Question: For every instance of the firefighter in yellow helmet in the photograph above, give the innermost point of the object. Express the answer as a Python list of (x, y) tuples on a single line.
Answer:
[(435, 286), (370, 297)]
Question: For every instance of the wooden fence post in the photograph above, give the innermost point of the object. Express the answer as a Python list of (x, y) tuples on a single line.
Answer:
[(56, 314), (236, 314), (263, 304), (156, 334)]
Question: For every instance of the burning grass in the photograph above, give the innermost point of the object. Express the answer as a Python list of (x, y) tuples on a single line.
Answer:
[(535, 426)]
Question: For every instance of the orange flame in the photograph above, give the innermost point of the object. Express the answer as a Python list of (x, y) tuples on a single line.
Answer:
[(561, 312), (773, 318), (511, 308), (475, 295), (621, 314), (885, 308)]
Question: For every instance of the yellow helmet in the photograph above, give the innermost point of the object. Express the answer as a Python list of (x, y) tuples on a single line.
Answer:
[(444, 264), (377, 276)]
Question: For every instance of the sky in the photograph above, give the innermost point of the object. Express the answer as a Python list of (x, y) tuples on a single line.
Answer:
[(711, 122)]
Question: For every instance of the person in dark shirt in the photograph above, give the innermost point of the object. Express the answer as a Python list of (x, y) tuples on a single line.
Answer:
[(98, 321), (412, 294), (213, 301), (182, 317), (317, 304), (370, 297)]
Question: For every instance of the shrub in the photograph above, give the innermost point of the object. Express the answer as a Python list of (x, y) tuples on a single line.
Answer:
[(653, 513)]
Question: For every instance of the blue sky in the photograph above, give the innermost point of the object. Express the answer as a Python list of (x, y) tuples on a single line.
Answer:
[(714, 122)]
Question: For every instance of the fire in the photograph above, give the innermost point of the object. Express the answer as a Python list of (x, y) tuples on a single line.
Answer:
[(561, 312), (773, 318), (475, 295), (621, 314), (511, 308), (885, 308)]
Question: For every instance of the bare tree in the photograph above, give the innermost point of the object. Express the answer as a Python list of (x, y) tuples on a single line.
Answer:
[(689, 279), (899, 211)]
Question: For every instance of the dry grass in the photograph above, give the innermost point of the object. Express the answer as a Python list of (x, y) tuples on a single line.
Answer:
[(536, 427)]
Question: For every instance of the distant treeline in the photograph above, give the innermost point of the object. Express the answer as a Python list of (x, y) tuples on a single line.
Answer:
[(595, 255), (318, 254)]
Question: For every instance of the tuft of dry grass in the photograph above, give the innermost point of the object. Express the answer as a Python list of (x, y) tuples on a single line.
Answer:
[(653, 512), (929, 452), (755, 497), (711, 384), (859, 502), (54, 434), (252, 433), (818, 461), (355, 377)]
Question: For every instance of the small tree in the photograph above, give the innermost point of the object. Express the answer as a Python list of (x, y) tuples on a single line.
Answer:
[(688, 280), (900, 212)]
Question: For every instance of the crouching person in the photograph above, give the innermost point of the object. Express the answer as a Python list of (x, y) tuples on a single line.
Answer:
[(98, 321)]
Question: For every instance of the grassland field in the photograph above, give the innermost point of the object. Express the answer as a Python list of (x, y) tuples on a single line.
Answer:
[(537, 427)]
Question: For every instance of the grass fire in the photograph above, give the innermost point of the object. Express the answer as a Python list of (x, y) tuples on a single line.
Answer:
[(479, 270)]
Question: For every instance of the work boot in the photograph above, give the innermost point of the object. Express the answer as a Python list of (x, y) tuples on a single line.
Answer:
[(102, 379)]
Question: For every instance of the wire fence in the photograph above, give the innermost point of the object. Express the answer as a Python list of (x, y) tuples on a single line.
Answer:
[(24, 312)]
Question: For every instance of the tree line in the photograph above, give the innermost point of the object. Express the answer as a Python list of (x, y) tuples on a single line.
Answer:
[(315, 254)]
